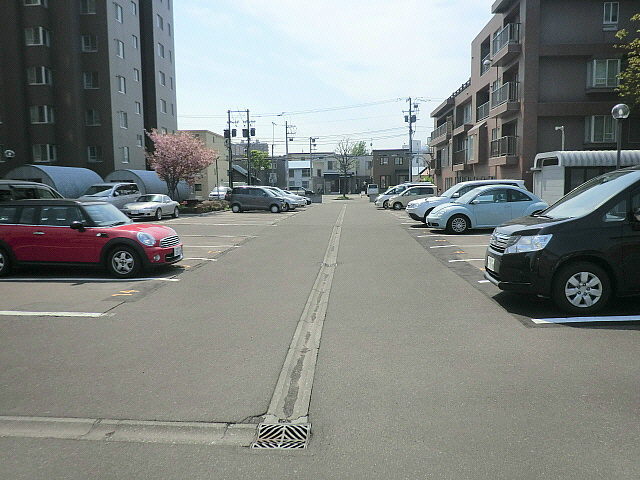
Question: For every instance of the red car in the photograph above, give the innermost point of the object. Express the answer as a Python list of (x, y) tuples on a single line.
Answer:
[(56, 231)]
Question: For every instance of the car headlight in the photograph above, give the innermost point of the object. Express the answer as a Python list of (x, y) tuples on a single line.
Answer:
[(527, 243), (436, 214), (146, 239)]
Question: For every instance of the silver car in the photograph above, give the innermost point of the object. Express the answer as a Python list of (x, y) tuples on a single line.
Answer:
[(152, 205), (117, 194)]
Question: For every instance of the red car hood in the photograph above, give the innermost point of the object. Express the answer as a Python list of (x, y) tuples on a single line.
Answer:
[(158, 231)]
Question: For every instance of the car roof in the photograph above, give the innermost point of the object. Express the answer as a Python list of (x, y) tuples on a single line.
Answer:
[(483, 188), (490, 182), (51, 201), (22, 182)]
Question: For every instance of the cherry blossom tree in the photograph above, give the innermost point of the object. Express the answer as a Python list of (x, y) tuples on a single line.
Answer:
[(179, 156)]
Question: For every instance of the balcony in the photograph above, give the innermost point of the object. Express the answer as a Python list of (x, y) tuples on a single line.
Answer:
[(461, 158), (441, 134), (485, 64), (482, 111), (506, 93), (506, 44), (504, 151)]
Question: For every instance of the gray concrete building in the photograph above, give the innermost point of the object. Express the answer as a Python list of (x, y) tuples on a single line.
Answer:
[(390, 167), (543, 77), (81, 81)]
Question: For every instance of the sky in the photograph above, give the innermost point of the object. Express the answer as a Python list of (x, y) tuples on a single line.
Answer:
[(333, 70)]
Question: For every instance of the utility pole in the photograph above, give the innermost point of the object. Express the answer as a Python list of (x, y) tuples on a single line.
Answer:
[(228, 140), (312, 144), (248, 149), (287, 129), (411, 119)]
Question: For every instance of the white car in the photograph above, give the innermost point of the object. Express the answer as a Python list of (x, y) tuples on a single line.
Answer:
[(152, 205), (291, 201), (219, 193), (485, 207), (420, 209), (382, 200), (303, 200)]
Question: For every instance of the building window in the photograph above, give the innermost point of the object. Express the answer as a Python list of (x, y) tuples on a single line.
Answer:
[(87, 7), (1, 153), (169, 29), (292, 173), (30, 3), (120, 48), (39, 76), (611, 13), (163, 130), (134, 41), (89, 43), (94, 153), (603, 73), (138, 108), (41, 114), (124, 121), (136, 75), (161, 78), (125, 154), (173, 110), (306, 172), (171, 83), (119, 13), (45, 153), (160, 22), (384, 160), (93, 118), (122, 84), (398, 160), (90, 80), (170, 57), (163, 106), (600, 129), (134, 8), (139, 140), (37, 36), (330, 165), (160, 50)]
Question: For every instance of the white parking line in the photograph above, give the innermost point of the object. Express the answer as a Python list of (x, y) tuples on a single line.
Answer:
[(447, 246), (18, 313), (212, 246), (455, 236), (97, 280), (624, 318), (221, 236), (468, 260), (202, 258), (483, 281)]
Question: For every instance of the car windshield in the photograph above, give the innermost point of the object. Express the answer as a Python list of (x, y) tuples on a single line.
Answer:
[(150, 198), (99, 190), (106, 215), (591, 195), (467, 197)]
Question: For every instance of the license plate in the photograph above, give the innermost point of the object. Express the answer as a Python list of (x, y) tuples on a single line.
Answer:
[(491, 263), (177, 251)]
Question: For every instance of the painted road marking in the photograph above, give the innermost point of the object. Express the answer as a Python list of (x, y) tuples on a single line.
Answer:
[(212, 246), (623, 318), (454, 236), (18, 313), (96, 280), (447, 246), (468, 260), (221, 236), (202, 258), (483, 281)]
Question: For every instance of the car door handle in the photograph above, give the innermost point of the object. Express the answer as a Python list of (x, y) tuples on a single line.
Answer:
[(38, 233)]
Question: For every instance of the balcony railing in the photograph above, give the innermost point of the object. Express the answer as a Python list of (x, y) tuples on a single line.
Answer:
[(505, 146), (483, 111), (509, 34), (439, 132), (506, 93)]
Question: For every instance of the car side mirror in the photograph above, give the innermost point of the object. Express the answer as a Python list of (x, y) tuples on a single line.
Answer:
[(455, 195), (475, 202), (76, 225)]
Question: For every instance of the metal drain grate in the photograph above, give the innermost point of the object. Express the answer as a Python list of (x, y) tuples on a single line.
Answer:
[(282, 436)]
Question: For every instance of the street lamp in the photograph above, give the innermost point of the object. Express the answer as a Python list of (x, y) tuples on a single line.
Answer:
[(619, 112), (561, 128)]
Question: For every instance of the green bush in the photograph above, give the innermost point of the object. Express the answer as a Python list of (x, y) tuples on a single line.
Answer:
[(193, 206)]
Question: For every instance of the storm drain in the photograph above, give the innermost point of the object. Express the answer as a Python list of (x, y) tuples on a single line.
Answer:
[(282, 436)]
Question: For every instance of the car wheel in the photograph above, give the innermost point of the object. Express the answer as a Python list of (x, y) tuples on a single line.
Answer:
[(275, 208), (176, 212), (285, 208), (397, 206), (385, 204), (581, 287), (426, 214), (123, 262), (5, 263), (235, 208), (458, 224), (158, 214)]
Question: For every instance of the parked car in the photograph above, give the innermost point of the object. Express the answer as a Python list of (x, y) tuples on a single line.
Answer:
[(304, 200), (398, 202), (58, 231), (292, 201), (419, 209), (154, 205), (372, 189), (581, 251), (219, 193), (21, 189), (484, 207), (300, 191), (382, 200), (117, 194), (255, 198)]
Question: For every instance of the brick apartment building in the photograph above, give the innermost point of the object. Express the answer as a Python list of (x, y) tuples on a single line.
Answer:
[(541, 71), (81, 80)]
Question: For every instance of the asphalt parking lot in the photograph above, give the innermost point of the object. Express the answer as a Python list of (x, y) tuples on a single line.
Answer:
[(465, 253)]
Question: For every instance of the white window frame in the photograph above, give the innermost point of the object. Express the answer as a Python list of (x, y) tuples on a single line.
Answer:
[(125, 155), (119, 12), (35, 3), (134, 8), (44, 153), (41, 114), (609, 126), (119, 48), (37, 36), (87, 7), (611, 10), (162, 78), (160, 22), (92, 118), (122, 84), (90, 80), (603, 82), (124, 120), (94, 154), (137, 108), (163, 106), (139, 140), (160, 50), (39, 75), (89, 43), (136, 75), (134, 42)]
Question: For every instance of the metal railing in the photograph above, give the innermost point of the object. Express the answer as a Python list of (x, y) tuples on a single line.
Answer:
[(483, 111), (509, 34), (504, 146), (439, 132), (506, 93)]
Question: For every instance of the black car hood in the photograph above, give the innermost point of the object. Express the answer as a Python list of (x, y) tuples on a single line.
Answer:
[(529, 225)]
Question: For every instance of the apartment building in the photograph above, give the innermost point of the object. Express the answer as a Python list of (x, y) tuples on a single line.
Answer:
[(390, 167), (543, 78), (81, 81)]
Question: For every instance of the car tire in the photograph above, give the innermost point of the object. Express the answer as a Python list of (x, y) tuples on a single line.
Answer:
[(426, 214), (458, 224), (5, 263), (285, 208), (158, 214), (397, 206), (385, 204), (581, 288), (275, 208), (176, 212), (235, 208), (123, 262)]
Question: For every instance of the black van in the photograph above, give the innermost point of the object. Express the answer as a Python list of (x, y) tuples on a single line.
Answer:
[(581, 251)]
